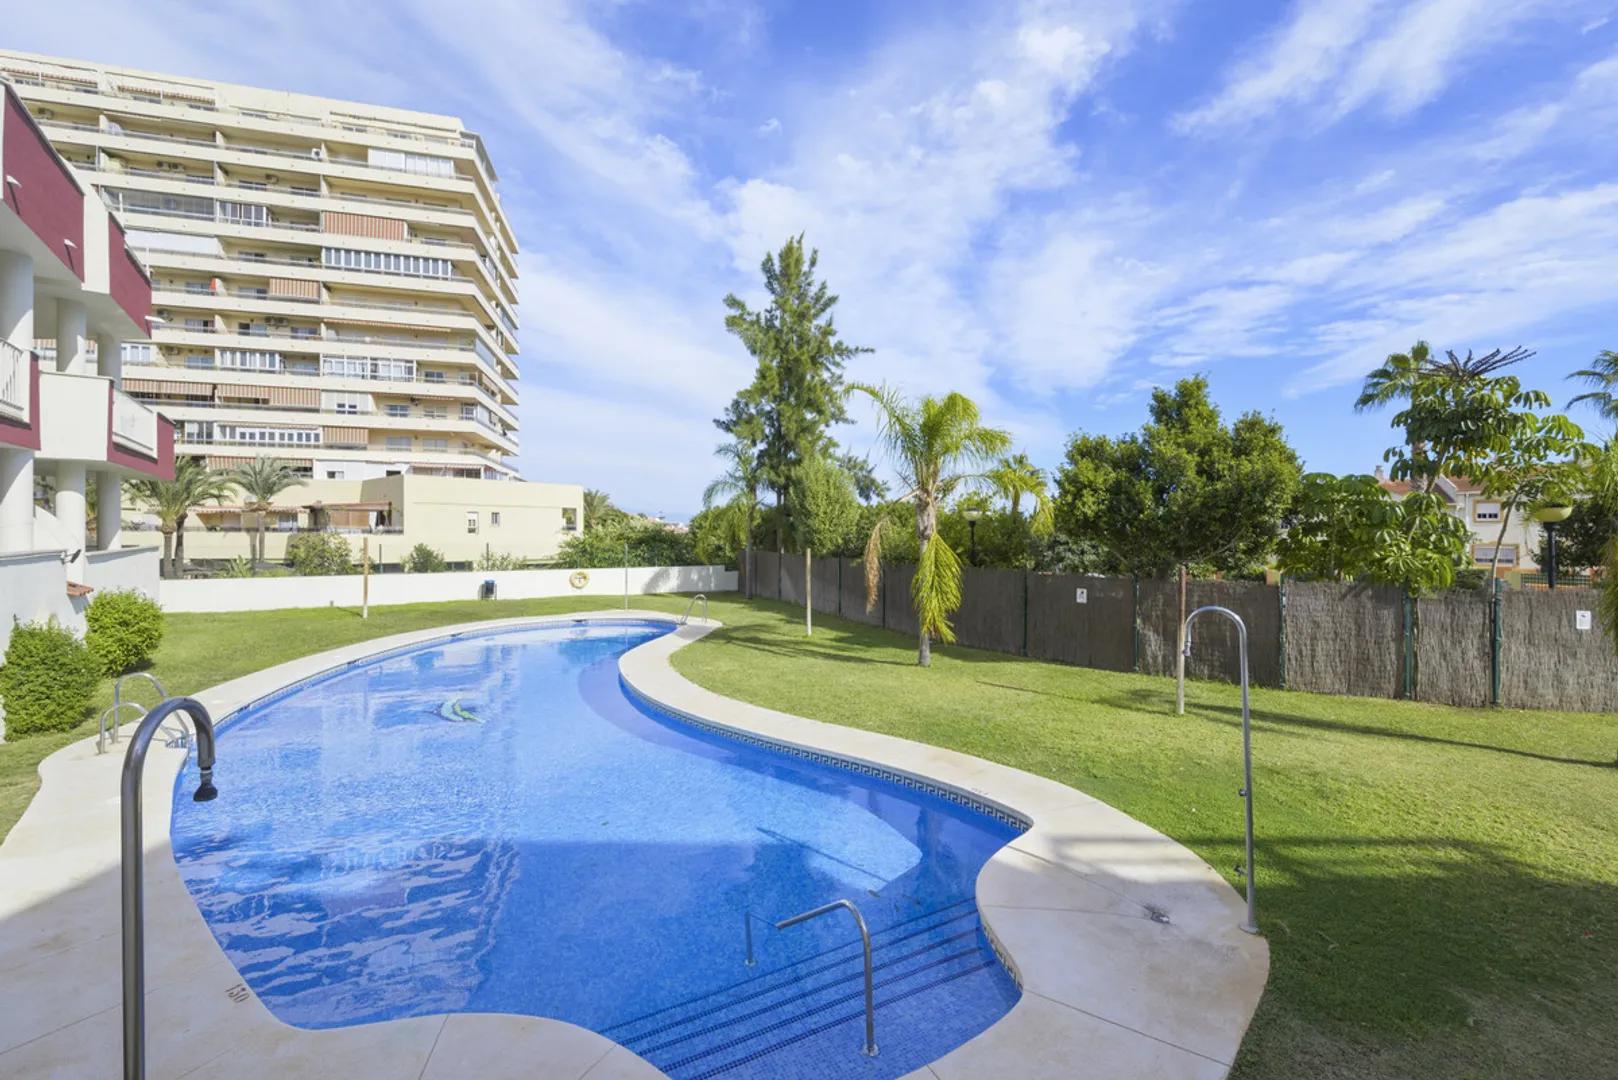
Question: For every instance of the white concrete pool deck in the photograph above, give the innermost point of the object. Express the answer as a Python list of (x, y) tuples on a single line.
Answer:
[(1108, 991)]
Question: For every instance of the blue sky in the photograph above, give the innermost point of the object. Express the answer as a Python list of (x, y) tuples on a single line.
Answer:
[(1051, 207)]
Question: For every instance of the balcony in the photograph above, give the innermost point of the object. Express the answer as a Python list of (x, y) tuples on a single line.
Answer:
[(133, 424), (16, 384), (89, 421)]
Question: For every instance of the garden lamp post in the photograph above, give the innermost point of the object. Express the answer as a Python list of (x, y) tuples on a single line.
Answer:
[(972, 514), (1550, 517)]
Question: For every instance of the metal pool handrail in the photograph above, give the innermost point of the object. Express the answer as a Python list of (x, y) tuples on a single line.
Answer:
[(687, 616), (1251, 925), (134, 898), (869, 1049), (118, 704)]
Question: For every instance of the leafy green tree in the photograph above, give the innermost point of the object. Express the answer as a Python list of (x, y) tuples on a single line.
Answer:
[(643, 542), (423, 559), (827, 508), (194, 485), (598, 510), (1187, 490), (797, 389), (1536, 460), (867, 485), (1455, 409), (320, 554), (261, 479), (734, 496), (1350, 528), (935, 445), (1583, 539)]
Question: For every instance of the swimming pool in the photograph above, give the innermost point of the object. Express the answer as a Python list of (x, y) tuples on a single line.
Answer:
[(493, 824)]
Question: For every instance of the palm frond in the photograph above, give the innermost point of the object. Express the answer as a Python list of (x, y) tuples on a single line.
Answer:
[(936, 588), (873, 565)]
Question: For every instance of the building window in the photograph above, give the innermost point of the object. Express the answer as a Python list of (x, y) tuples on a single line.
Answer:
[(1484, 554), (398, 442), (439, 445), (347, 406), (1486, 511), (138, 352), (494, 519), (397, 410), (471, 521), (249, 360)]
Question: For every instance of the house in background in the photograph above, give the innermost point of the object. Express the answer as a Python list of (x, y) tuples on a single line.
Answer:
[(1519, 547), (66, 274)]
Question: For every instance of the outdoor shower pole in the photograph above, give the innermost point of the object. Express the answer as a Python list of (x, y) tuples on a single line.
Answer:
[(1251, 925), (626, 575), (131, 866)]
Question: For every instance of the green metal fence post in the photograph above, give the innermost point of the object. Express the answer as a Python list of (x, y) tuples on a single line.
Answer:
[(1134, 583), (1495, 643), (1409, 647), (1281, 632)]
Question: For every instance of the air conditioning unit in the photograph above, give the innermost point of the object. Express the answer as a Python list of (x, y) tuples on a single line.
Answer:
[(317, 153)]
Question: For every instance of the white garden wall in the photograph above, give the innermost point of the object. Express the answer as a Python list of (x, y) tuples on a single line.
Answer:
[(267, 593), (126, 568), (33, 588)]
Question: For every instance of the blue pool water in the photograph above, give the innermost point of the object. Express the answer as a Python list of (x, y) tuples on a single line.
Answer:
[(493, 824)]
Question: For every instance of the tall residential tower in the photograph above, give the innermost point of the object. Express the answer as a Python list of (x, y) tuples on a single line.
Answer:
[(335, 282)]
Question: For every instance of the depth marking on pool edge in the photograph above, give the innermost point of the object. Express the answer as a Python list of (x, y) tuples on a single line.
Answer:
[(239, 993)]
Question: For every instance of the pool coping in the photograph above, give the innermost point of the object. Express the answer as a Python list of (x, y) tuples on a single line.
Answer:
[(1124, 943)]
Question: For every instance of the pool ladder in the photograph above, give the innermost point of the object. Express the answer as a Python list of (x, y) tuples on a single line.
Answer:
[(108, 729), (869, 1049), (686, 618)]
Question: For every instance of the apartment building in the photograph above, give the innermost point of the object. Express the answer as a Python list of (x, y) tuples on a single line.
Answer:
[(66, 273), (1519, 548), (333, 283)]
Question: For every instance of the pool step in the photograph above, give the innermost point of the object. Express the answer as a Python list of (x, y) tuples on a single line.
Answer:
[(808, 1018)]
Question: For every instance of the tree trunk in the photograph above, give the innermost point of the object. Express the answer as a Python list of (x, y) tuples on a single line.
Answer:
[(258, 555), (166, 567), (747, 551), (926, 526), (179, 546), (1505, 522)]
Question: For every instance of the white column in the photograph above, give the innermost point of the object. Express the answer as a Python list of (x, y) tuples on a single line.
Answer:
[(69, 510), (109, 511), (17, 299), (16, 500), (72, 347), (110, 358), (17, 466)]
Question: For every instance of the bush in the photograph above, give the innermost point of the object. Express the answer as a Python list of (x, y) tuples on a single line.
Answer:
[(422, 559), (650, 544), (125, 627), (47, 679), (499, 560), (317, 554), (239, 567)]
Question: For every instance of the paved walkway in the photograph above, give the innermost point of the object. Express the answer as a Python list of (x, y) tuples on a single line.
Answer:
[(1108, 990)]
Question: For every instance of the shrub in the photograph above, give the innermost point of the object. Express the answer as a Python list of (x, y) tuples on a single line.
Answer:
[(499, 560), (47, 679), (125, 627), (650, 544), (422, 559), (239, 567), (315, 554)]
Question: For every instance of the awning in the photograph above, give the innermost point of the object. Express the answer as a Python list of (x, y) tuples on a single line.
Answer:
[(167, 92), (382, 505), (169, 388), (346, 435)]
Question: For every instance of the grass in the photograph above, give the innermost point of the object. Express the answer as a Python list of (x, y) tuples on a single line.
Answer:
[(1438, 885)]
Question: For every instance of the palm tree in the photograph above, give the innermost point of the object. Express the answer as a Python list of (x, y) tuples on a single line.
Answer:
[(1603, 376), (598, 508), (261, 480), (933, 444), (173, 500), (739, 486), (1014, 478)]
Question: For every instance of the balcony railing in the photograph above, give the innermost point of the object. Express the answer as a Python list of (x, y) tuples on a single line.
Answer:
[(14, 383), (133, 424)]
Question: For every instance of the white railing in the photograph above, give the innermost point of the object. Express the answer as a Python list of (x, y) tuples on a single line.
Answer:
[(133, 424), (14, 388)]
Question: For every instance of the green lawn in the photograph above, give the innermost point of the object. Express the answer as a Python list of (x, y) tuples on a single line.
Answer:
[(1438, 885)]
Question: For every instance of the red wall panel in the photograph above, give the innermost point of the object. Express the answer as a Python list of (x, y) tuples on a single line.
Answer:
[(46, 197)]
